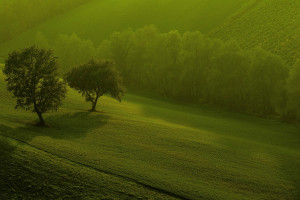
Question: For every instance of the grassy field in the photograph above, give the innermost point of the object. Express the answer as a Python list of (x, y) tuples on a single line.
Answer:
[(145, 148), (27, 172)]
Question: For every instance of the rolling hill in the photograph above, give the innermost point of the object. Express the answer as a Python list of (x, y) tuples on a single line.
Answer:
[(272, 24), (146, 148), (97, 19)]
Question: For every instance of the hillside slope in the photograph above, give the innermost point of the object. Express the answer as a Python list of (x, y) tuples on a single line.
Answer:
[(27, 172), (271, 24), (184, 150)]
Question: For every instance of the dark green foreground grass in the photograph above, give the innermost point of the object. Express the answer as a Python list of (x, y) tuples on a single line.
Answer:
[(162, 148), (30, 173)]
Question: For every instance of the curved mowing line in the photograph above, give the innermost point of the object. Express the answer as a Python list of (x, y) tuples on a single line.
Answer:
[(103, 171)]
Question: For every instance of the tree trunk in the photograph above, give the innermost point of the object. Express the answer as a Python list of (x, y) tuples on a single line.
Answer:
[(93, 107), (94, 104), (41, 122)]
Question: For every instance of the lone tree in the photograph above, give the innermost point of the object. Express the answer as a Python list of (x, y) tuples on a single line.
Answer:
[(94, 79), (31, 75)]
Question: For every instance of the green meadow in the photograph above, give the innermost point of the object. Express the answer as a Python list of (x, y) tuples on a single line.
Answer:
[(146, 147), (211, 108)]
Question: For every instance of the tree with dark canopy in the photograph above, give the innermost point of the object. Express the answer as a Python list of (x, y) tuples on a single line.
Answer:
[(31, 75), (94, 79)]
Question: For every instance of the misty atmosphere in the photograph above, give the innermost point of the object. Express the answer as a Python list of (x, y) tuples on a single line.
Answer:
[(150, 99)]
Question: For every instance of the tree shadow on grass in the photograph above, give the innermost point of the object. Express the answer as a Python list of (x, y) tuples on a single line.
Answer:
[(6, 168), (74, 125), (67, 126), (5, 151)]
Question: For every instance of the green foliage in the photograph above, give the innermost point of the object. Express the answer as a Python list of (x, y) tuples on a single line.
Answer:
[(72, 51), (293, 90), (189, 67), (266, 80), (196, 68), (94, 79), (31, 75)]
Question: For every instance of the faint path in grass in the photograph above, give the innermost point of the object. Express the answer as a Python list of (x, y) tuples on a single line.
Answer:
[(171, 194)]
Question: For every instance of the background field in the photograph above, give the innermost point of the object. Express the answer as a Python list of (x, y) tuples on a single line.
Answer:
[(181, 150), (96, 20), (272, 24)]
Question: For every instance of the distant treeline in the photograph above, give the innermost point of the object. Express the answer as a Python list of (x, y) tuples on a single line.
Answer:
[(194, 68), (18, 15)]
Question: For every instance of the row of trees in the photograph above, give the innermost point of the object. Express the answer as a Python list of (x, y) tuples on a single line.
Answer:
[(194, 68), (32, 77), (17, 16)]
